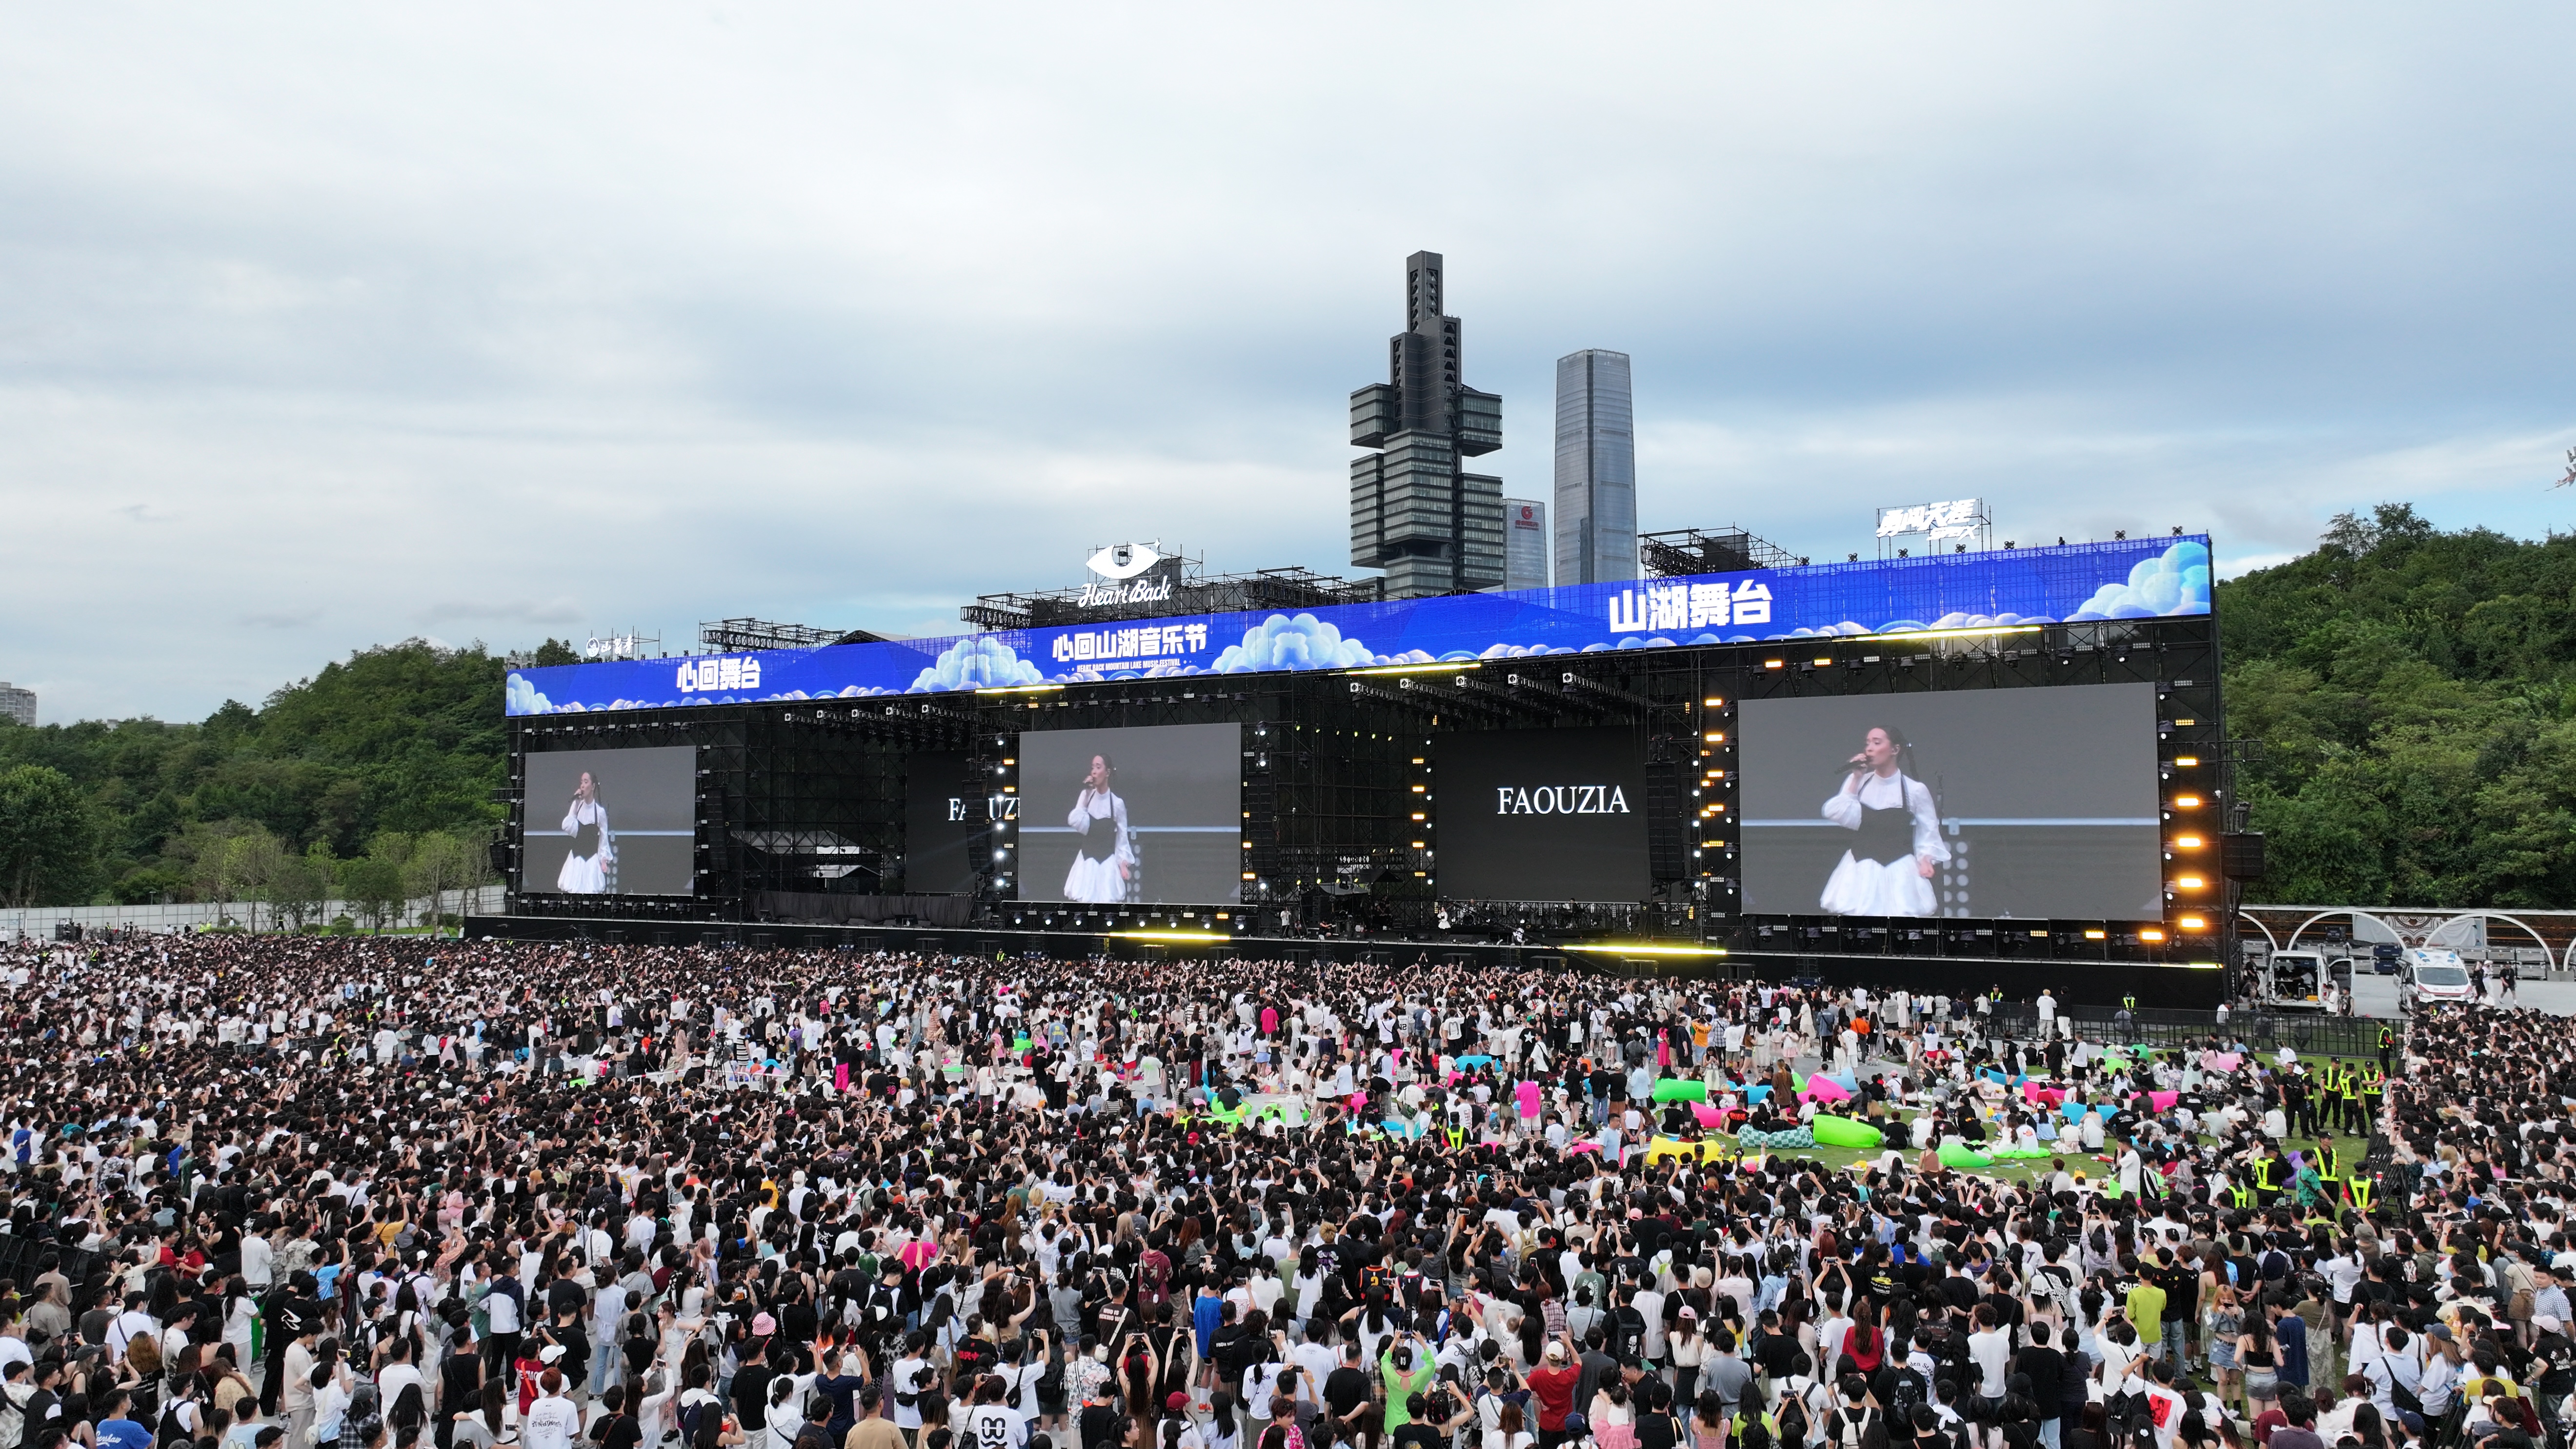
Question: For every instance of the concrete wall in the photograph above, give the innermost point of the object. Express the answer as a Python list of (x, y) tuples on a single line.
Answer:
[(38, 922)]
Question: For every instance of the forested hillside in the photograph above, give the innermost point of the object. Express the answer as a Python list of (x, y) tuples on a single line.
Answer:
[(372, 778), (2415, 695)]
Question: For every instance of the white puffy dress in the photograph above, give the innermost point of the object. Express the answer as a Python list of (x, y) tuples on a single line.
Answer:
[(1868, 887), (587, 875), (1100, 820)]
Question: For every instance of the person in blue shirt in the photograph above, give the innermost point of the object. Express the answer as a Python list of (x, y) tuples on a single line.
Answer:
[(115, 1431), (2291, 1331)]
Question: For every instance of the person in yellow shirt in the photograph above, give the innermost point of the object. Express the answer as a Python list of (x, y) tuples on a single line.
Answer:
[(2146, 1309)]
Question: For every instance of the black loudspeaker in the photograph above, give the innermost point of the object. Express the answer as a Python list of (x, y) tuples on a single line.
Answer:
[(501, 856), (1667, 838), (2241, 855)]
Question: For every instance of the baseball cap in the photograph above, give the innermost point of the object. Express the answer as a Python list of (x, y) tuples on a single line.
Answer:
[(550, 1353), (1175, 1402), (1556, 1352)]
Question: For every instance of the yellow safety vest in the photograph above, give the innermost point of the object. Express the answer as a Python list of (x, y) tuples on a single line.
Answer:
[(2264, 1167), (2361, 1187), (2327, 1158), (2372, 1084), (2240, 1194)]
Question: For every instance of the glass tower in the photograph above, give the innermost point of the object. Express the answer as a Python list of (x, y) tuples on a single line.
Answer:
[(1415, 510), (1596, 469), (1526, 544)]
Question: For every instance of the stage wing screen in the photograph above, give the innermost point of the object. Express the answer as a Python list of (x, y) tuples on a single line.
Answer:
[(610, 822), (1541, 815), (946, 820), (2026, 803), (1132, 816)]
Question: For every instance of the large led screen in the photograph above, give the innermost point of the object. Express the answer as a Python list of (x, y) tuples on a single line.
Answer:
[(610, 822), (1132, 816), (2028, 803), (946, 820), (1541, 815)]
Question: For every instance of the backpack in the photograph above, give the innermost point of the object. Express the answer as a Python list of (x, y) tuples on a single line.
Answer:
[(1905, 1392), (1849, 1433)]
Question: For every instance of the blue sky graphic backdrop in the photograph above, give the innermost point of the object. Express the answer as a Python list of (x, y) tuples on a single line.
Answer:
[(331, 325)]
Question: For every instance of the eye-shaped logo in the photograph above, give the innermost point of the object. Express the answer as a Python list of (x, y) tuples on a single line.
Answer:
[(1124, 560)]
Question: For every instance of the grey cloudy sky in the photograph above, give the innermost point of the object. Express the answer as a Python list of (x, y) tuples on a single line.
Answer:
[(329, 325)]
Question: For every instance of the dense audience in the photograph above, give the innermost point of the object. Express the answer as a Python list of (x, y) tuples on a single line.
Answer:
[(270, 1192)]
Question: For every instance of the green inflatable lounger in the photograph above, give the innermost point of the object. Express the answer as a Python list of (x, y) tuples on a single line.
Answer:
[(1833, 1131), (1675, 1089), (1960, 1154)]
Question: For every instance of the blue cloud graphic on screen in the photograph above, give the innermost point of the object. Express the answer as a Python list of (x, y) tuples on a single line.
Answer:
[(2173, 582), (1304, 642), (524, 698), (978, 661)]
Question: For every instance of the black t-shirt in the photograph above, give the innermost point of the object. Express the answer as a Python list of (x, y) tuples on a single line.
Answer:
[(2047, 1370), (751, 1394), (1417, 1435), (1345, 1389), (1099, 1425), (621, 1432)]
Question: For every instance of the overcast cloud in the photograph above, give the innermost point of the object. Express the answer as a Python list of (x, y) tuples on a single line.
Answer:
[(329, 325)]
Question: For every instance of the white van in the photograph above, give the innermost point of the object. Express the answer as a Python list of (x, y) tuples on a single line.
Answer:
[(2434, 976)]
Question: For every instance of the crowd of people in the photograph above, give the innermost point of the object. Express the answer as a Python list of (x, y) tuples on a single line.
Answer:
[(291, 1193)]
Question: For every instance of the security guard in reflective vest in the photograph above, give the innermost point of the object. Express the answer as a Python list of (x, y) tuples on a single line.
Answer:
[(2328, 1160), (2387, 1047), (2373, 1083), (2268, 1176)]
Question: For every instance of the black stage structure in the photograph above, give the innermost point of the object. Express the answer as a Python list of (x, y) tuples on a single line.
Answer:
[(801, 832)]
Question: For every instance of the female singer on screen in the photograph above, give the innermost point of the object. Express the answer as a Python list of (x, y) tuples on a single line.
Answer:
[(1102, 858), (1888, 869), (591, 868)]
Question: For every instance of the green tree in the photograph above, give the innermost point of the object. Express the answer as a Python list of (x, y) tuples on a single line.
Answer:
[(48, 840), (373, 887), (302, 885), (443, 861)]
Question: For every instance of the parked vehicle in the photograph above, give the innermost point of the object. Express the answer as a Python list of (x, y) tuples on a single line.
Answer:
[(2433, 975), (2293, 981)]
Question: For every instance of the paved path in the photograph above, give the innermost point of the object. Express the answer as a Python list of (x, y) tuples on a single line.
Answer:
[(2377, 996)]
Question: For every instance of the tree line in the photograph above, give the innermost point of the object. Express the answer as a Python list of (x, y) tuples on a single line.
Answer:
[(374, 782)]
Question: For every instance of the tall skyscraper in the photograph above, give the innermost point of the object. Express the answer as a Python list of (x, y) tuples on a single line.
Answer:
[(1415, 512), (1525, 544), (17, 704), (1596, 469)]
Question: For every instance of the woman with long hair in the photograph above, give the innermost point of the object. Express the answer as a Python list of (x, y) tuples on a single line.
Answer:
[(1103, 859), (2259, 1360), (1896, 847), (2226, 1324), (590, 867)]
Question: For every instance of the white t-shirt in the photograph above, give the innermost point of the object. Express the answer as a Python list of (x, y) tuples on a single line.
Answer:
[(991, 1426)]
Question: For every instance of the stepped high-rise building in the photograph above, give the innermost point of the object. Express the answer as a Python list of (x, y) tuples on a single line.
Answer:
[(1596, 469), (1415, 511)]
